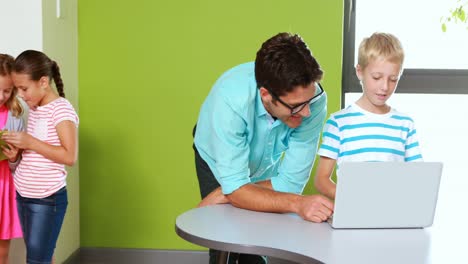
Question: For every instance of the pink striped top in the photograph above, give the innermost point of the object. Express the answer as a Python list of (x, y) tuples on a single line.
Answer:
[(37, 176)]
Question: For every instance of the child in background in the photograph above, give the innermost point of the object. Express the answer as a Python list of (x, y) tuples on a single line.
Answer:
[(49, 144), (10, 120), (369, 129)]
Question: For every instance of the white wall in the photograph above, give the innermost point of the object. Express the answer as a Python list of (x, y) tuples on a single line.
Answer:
[(21, 26)]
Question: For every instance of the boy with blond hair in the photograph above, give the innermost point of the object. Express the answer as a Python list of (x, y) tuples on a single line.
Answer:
[(369, 129)]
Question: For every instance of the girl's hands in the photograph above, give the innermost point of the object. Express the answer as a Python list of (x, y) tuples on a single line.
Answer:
[(11, 152), (20, 140)]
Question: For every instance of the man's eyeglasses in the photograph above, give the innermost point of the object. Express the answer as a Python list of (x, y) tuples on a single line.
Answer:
[(296, 109)]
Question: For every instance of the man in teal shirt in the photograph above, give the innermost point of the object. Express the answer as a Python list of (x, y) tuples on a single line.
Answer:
[(257, 134)]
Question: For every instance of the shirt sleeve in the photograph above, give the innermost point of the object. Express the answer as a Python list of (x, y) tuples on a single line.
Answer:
[(294, 170), (18, 126), (222, 133), (64, 111), (330, 147), (412, 149)]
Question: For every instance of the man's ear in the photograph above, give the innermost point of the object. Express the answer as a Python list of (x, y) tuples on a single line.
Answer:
[(264, 93)]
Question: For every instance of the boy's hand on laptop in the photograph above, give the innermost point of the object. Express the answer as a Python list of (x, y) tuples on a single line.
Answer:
[(315, 208)]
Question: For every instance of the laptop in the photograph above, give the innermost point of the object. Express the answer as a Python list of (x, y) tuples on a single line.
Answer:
[(386, 194)]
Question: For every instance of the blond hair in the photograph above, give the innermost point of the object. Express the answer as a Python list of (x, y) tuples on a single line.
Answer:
[(380, 46), (13, 104)]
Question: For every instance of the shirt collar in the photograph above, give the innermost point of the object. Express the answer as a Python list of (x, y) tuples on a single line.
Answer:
[(260, 108)]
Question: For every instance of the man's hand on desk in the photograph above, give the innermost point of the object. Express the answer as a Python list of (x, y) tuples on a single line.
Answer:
[(215, 197), (315, 208)]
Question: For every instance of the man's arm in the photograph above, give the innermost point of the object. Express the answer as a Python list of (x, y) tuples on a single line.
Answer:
[(261, 197), (256, 197), (217, 196)]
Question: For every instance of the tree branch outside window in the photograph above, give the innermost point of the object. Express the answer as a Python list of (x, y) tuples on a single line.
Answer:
[(457, 15)]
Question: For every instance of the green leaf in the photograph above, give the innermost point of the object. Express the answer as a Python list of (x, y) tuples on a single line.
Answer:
[(457, 14), (461, 15)]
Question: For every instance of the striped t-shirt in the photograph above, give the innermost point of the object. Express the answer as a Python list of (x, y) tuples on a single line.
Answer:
[(37, 176), (354, 134)]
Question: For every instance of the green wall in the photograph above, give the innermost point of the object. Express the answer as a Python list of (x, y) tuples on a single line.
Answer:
[(60, 42), (144, 70)]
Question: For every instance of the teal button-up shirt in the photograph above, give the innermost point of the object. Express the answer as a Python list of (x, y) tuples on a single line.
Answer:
[(242, 143)]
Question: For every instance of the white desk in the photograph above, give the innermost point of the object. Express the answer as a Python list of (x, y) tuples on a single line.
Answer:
[(287, 236)]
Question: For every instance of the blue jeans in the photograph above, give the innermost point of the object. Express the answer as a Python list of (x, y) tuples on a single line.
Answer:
[(41, 221)]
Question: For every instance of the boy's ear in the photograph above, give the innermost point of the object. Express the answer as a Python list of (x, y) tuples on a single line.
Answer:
[(359, 72)]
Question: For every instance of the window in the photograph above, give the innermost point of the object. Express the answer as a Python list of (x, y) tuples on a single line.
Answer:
[(435, 61)]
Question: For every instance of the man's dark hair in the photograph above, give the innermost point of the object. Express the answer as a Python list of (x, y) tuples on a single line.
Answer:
[(285, 62)]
